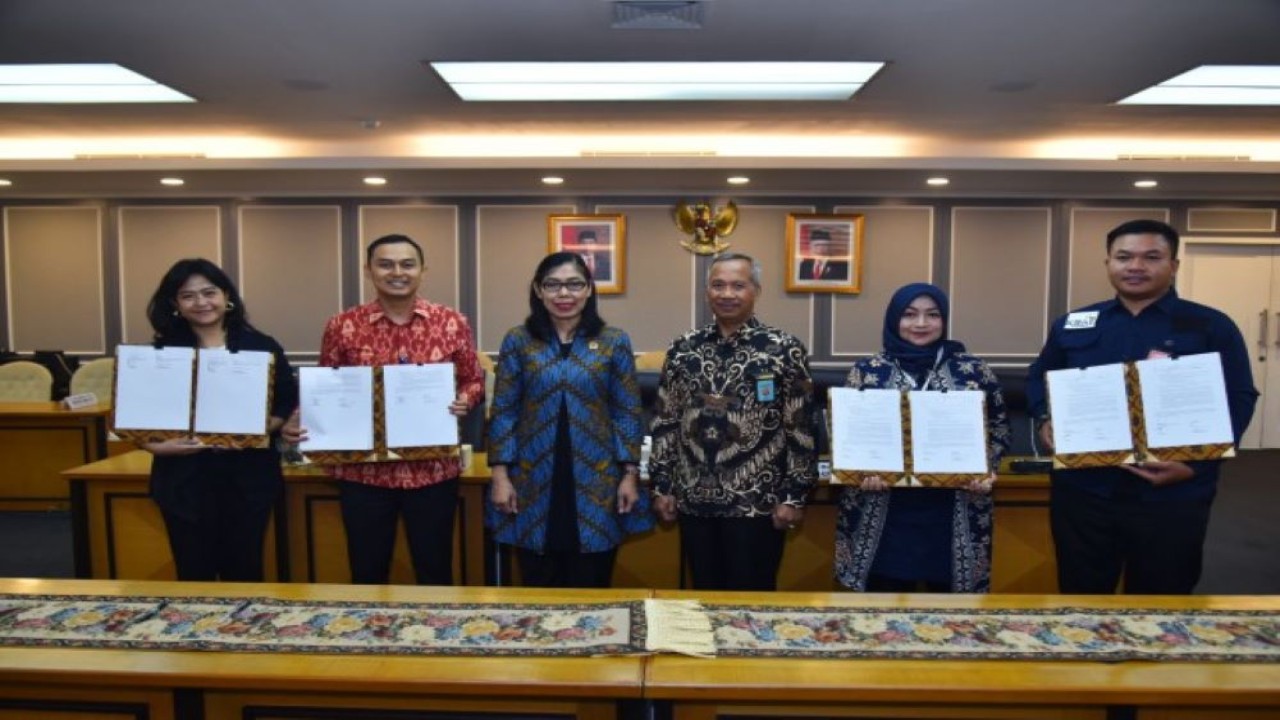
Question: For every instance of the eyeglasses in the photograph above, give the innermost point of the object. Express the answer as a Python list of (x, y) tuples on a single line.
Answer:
[(551, 287)]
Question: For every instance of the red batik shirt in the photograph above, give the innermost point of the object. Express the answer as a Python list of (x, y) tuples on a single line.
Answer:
[(364, 335)]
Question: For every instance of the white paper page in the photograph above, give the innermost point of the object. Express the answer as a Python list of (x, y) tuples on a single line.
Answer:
[(1090, 409), (1184, 401), (231, 391), (866, 430), (336, 408), (948, 432), (153, 387), (417, 400)]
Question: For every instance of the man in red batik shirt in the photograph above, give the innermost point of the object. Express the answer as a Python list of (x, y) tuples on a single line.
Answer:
[(399, 327)]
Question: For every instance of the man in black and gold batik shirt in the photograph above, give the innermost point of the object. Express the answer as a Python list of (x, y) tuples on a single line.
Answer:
[(733, 454)]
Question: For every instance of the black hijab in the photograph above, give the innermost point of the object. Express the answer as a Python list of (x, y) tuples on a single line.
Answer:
[(917, 360)]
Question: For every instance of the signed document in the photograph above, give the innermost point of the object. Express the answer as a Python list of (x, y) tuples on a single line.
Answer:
[(1090, 409), (417, 399), (866, 430), (948, 432), (153, 387), (231, 391), (336, 407), (1184, 401)]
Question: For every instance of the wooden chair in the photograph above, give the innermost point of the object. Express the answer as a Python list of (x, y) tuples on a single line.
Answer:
[(490, 376), (95, 376), (651, 360), (25, 381)]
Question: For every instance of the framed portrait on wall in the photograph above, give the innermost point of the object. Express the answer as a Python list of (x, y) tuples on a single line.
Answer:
[(601, 240), (824, 253)]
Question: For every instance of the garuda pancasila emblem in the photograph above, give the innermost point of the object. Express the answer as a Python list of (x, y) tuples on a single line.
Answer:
[(706, 225)]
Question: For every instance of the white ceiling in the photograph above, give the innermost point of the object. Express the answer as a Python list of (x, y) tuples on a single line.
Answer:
[(1007, 96)]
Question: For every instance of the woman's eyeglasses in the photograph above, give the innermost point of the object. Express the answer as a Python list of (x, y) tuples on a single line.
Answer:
[(551, 287)]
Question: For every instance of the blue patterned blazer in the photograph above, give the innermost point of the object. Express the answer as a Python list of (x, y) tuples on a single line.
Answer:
[(598, 381)]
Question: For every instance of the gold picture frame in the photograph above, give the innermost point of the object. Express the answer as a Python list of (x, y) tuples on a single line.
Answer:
[(824, 253), (601, 240)]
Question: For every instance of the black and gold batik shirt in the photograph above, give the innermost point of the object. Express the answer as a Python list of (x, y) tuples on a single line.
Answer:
[(732, 430)]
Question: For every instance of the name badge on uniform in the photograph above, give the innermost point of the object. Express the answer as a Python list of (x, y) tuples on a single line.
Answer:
[(1081, 320), (765, 390)]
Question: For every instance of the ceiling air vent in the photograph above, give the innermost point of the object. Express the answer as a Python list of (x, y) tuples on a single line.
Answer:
[(658, 14), (1187, 158)]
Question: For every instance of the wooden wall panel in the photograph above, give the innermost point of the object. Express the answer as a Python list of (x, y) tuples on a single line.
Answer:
[(1000, 279), (152, 239), (663, 283), (54, 277), (510, 241), (435, 228), (290, 271), (1087, 247), (897, 248), (1231, 220), (762, 234)]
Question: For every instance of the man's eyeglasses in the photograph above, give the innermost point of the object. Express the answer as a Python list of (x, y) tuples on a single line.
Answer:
[(551, 287)]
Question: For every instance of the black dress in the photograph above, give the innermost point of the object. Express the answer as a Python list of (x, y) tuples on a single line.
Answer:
[(216, 503)]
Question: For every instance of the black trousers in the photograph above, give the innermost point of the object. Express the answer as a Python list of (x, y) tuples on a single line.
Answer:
[(1157, 547), (216, 527), (566, 569), (370, 514), (886, 584), (223, 543), (732, 553)]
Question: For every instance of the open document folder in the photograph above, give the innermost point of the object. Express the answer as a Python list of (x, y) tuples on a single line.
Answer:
[(1169, 408), (372, 414), (223, 398), (913, 438)]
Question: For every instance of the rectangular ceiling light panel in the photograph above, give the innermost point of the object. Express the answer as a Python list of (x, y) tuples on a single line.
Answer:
[(653, 81), (1215, 85), (82, 83)]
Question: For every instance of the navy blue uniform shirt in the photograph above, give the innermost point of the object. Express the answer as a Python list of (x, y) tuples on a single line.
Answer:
[(1172, 326)]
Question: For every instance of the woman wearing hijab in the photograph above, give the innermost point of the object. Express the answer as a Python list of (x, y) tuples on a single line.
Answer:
[(907, 539)]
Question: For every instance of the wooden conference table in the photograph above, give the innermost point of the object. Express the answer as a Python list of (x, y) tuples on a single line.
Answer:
[(60, 683), (119, 534), (38, 440), (97, 684), (699, 689)]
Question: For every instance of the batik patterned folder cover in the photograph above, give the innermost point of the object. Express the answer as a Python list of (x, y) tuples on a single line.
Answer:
[(908, 478), (380, 452)]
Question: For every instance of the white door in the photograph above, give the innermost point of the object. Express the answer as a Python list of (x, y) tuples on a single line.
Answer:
[(1241, 277)]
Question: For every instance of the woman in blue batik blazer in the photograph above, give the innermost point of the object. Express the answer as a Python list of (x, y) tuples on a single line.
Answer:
[(565, 435), (936, 539)]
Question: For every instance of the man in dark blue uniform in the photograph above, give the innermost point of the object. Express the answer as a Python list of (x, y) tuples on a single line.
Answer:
[(1146, 522)]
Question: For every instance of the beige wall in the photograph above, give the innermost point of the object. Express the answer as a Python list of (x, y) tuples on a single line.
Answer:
[(290, 271), (54, 279), (435, 228), (1087, 247), (1009, 267), (151, 240), (1000, 261), (897, 248)]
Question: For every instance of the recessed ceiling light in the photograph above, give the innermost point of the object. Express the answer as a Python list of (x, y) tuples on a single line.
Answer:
[(5, 183), (1215, 85), (375, 180), (173, 181), (82, 83), (937, 181), (1145, 183), (739, 180), (655, 81), (552, 180)]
